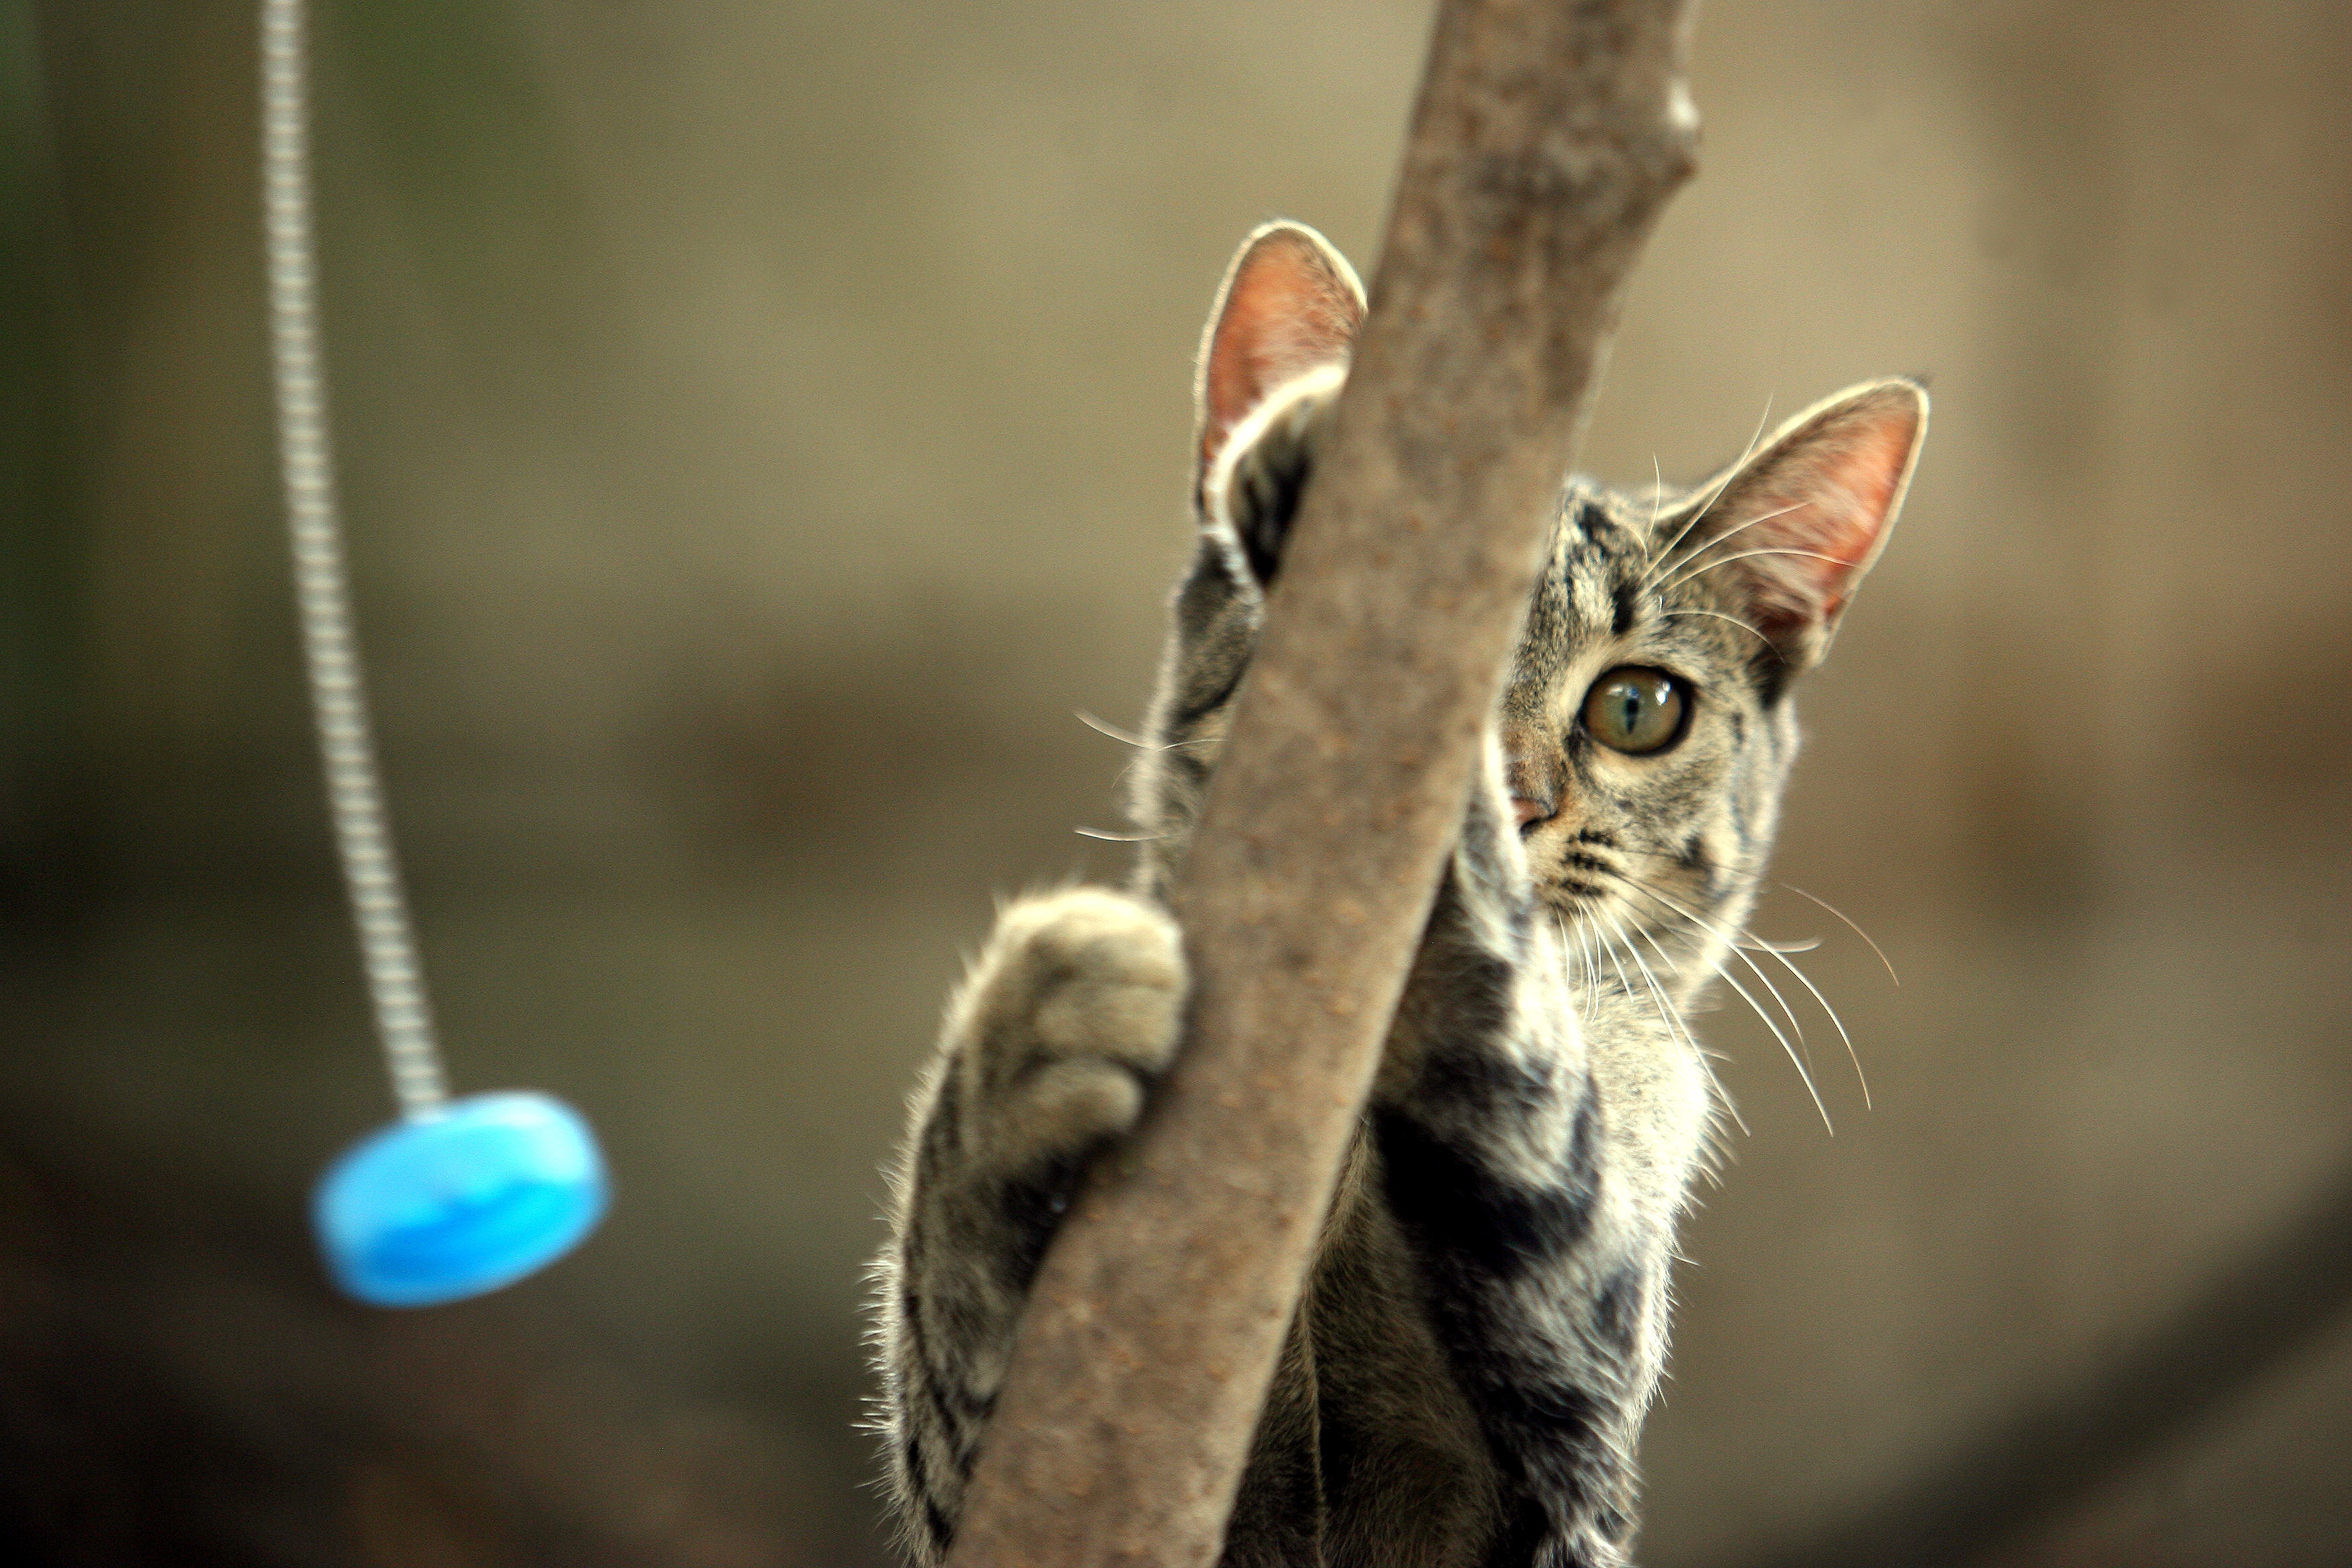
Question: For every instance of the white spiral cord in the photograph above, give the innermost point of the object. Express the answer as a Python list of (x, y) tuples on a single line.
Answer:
[(354, 793)]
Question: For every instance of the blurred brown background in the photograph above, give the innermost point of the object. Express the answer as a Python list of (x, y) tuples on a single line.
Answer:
[(762, 425)]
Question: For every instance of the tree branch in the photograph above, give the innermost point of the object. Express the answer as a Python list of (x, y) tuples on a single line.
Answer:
[(1547, 137)]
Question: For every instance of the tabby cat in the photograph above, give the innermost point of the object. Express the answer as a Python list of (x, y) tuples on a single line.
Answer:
[(1487, 1315)]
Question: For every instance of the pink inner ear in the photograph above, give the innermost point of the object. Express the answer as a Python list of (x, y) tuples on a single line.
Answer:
[(1834, 488), (1287, 308)]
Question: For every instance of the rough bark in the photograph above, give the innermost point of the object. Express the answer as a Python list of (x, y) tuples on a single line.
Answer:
[(1547, 139)]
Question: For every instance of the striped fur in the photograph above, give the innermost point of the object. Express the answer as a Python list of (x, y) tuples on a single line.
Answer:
[(1486, 1320)]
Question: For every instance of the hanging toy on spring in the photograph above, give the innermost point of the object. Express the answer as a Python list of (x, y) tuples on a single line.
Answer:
[(458, 1198)]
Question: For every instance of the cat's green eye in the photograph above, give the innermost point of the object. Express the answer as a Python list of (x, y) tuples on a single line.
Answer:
[(1636, 711)]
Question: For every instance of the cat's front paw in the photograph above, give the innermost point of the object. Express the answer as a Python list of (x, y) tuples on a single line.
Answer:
[(1072, 1012)]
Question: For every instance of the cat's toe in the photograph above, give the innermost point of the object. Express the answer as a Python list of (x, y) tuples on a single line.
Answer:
[(1066, 1109), (1072, 1012), (1102, 976)]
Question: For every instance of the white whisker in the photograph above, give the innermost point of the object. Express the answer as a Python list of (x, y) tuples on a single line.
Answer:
[(1743, 626), (1104, 727), (1675, 1025), (1657, 499), (1756, 1007), (1612, 952), (1118, 838), (1836, 1022), (1729, 474), (1744, 938), (1849, 924), (1569, 959), (1751, 556), (1734, 944), (1758, 944), (1781, 955), (1702, 549), (1802, 978), (1129, 737)]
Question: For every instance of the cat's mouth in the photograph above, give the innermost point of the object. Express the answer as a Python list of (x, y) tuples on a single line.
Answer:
[(1577, 902), (1592, 897)]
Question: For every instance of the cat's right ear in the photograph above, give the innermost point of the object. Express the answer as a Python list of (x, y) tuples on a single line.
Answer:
[(1283, 327), (1289, 304)]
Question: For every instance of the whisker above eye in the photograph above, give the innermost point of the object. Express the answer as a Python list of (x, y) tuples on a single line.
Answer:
[(1723, 484), (1735, 620), (1650, 534), (1700, 550), (1750, 555), (1118, 838)]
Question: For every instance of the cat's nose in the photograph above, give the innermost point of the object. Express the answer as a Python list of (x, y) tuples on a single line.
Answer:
[(1530, 775)]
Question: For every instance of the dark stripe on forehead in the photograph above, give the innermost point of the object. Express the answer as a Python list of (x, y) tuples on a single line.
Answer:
[(1623, 621)]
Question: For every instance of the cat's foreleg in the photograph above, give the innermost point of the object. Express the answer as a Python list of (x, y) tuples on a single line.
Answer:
[(1497, 1157), (1068, 1014)]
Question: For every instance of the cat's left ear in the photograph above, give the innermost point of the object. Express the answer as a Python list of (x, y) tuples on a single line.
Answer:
[(1787, 534)]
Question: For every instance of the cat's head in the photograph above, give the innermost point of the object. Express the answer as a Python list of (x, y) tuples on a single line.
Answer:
[(1646, 731)]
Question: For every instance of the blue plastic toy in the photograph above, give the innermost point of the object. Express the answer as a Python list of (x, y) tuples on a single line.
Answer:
[(458, 1198), (461, 1202)]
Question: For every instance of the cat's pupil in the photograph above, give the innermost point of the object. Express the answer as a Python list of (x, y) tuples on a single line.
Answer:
[(1636, 711)]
